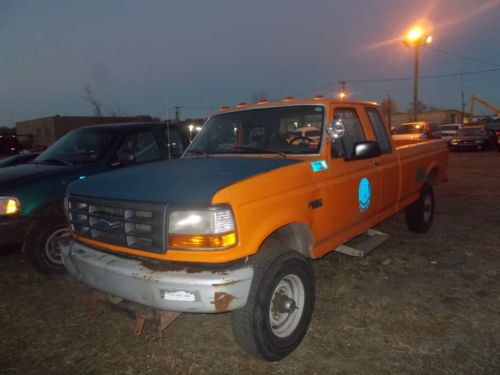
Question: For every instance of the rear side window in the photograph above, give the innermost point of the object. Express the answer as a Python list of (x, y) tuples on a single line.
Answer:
[(173, 143), (379, 129), (142, 144), (353, 132)]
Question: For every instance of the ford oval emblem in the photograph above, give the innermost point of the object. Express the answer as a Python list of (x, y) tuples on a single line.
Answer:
[(105, 224)]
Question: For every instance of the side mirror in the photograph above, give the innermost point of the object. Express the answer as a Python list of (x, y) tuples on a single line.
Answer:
[(126, 157), (366, 150)]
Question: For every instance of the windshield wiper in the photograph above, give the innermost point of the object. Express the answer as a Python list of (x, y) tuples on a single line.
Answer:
[(54, 160), (198, 152), (257, 149)]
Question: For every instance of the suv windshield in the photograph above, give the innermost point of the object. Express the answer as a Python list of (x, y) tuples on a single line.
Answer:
[(472, 131), (266, 130), (409, 129), (78, 146)]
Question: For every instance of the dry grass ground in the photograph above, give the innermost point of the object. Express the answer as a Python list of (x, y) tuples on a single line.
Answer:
[(420, 304)]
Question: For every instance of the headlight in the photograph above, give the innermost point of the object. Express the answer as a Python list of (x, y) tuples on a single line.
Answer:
[(210, 228), (9, 206)]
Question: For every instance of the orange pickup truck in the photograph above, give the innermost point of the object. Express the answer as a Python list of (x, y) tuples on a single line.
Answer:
[(233, 224)]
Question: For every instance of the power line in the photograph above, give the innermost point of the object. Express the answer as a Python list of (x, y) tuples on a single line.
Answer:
[(435, 76), (399, 79), (462, 57)]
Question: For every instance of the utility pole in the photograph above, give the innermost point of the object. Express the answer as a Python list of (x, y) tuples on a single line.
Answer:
[(389, 110), (177, 113), (462, 92), (415, 82), (342, 90)]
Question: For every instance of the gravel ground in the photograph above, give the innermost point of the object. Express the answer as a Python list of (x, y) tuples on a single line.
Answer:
[(418, 304)]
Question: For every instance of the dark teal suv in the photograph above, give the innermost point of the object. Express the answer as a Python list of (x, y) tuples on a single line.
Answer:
[(32, 194)]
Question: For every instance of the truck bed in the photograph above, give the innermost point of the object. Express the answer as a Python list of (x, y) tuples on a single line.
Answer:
[(419, 159)]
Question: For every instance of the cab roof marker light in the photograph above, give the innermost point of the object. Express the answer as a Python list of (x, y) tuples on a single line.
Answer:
[(223, 108), (263, 101), (318, 97), (288, 98), (241, 104)]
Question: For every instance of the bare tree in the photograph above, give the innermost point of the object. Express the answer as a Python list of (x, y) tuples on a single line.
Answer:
[(90, 97), (421, 107), (117, 110), (389, 107)]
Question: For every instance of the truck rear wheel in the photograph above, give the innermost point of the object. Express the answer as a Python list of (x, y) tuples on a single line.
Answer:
[(279, 307), (42, 246), (419, 214)]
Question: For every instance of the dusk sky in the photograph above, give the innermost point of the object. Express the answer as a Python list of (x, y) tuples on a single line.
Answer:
[(144, 57)]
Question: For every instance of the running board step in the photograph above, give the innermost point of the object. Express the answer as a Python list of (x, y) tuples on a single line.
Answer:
[(363, 244)]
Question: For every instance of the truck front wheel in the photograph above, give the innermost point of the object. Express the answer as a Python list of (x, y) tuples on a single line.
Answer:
[(42, 246), (279, 307), (419, 214)]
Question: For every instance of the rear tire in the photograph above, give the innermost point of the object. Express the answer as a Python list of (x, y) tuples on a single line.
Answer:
[(42, 246), (419, 214), (279, 307)]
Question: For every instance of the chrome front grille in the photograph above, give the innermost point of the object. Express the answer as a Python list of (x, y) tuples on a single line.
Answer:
[(130, 224)]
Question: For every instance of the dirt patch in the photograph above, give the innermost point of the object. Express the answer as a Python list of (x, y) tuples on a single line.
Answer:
[(418, 304)]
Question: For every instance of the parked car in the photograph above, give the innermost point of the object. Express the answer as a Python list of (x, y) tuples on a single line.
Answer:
[(493, 129), (18, 159), (416, 131), (8, 144), (449, 130), (32, 194), (470, 137)]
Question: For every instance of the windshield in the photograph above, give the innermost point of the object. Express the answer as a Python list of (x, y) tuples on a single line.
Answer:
[(472, 131), (410, 129), (266, 130), (78, 146)]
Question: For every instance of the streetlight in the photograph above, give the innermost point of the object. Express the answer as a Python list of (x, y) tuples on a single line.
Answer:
[(190, 127), (417, 38)]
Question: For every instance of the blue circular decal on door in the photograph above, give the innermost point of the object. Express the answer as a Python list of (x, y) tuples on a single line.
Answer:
[(364, 194)]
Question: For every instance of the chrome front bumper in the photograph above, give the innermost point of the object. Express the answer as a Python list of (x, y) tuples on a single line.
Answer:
[(162, 286)]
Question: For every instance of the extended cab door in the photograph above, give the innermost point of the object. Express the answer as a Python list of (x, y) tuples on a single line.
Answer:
[(388, 163), (352, 192)]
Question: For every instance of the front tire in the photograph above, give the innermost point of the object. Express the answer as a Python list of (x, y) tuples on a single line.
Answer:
[(419, 214), (43, 244), (279, 307)]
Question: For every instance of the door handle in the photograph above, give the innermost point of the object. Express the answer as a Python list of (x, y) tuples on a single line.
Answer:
[(374, 164)]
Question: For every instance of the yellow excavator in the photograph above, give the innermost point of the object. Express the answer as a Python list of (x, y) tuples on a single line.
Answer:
[(474, 98)]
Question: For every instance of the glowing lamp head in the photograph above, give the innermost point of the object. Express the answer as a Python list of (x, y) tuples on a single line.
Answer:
[(428, 40), (414, 34), (342, 95)]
